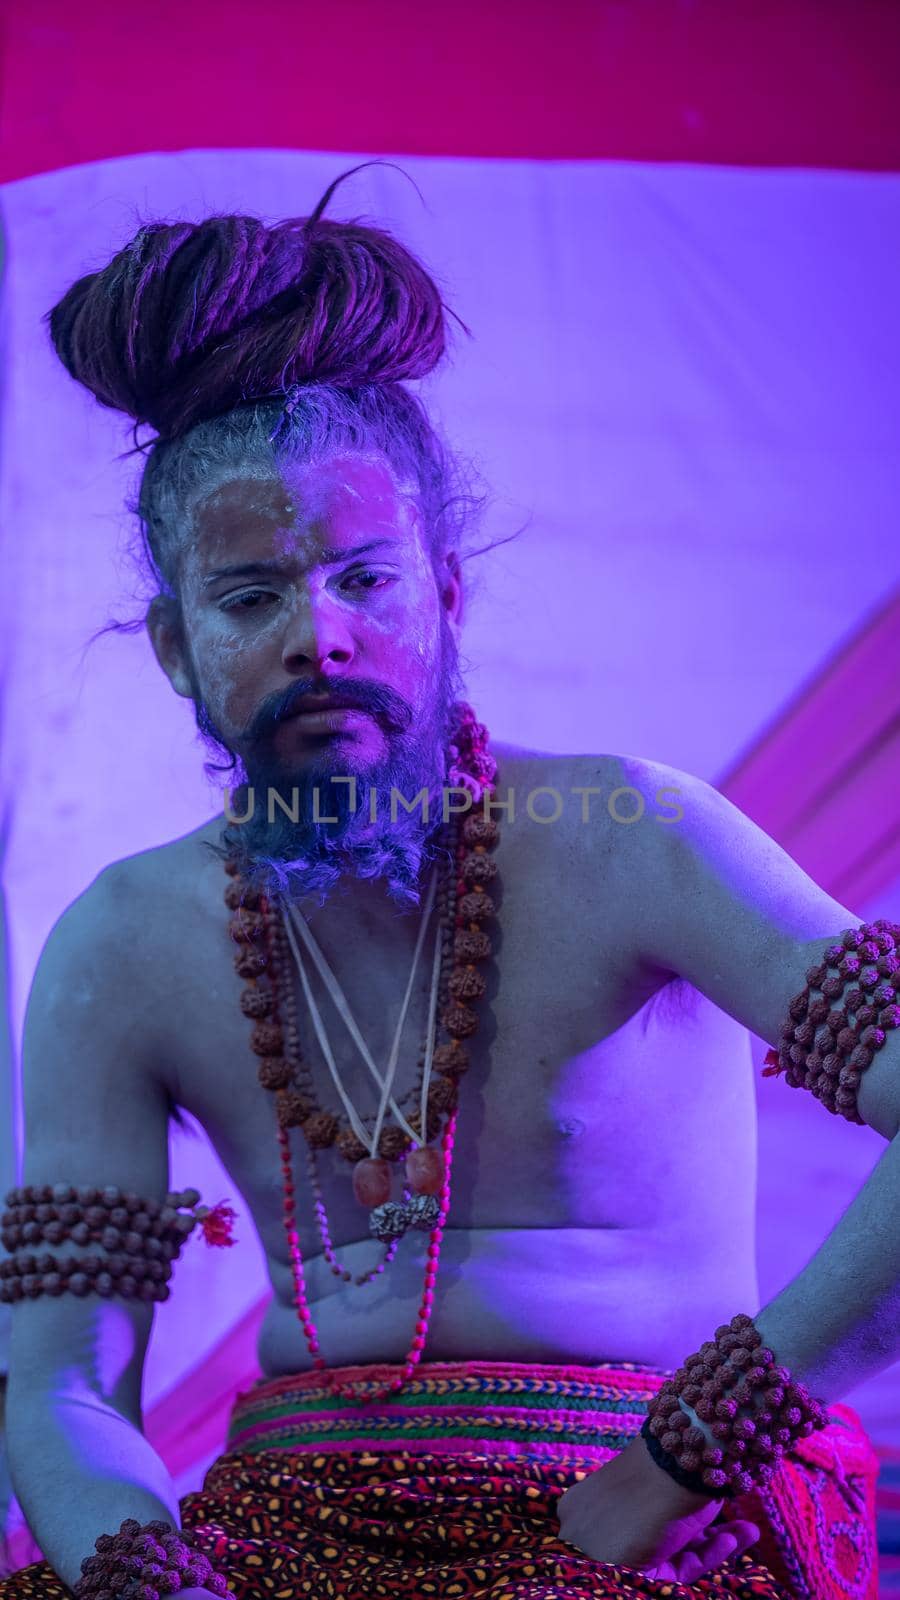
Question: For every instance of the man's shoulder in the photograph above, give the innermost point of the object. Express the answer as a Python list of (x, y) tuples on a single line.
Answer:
[(518, 764), (141, 897), (112, 950), (606, 809), (610, 776), (175, 863)]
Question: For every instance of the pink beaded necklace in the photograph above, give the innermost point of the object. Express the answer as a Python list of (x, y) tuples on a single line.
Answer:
[(258, 928)]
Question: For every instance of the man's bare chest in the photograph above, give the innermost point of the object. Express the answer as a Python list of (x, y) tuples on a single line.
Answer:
[(590, 1132), (562, 1074)]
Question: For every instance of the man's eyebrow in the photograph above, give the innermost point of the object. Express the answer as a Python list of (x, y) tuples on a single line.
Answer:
[(330, 557)]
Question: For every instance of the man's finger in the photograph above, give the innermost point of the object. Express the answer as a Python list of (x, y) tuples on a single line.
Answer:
[(726, 1541), (747, 1532)]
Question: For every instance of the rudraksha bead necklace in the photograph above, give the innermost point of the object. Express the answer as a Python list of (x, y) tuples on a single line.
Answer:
[(464, 906)]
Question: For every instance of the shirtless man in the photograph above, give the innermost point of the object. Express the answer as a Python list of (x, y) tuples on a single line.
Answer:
[(603, 1185)]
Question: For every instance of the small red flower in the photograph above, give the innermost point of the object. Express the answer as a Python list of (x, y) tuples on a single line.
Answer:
[(216, 1223), (772, 1067)]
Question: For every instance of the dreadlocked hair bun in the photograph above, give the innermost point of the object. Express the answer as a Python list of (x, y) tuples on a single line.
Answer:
[(192, 318)]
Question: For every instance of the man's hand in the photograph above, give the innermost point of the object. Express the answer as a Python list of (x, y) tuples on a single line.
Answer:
[(630, 1511)]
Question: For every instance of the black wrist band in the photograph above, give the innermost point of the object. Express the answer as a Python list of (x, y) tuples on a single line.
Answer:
[(688, 1480)]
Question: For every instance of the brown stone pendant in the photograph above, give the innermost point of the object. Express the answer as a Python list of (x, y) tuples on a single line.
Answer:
[(372, 1181), (425, 1170)]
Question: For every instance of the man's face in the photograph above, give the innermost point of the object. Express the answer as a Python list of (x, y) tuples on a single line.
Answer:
[(318, 581)]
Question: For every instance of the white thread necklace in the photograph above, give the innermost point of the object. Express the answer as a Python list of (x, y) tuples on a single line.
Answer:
[(293, 915)]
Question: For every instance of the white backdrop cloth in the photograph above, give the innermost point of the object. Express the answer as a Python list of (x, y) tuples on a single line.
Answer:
[(683, 380)]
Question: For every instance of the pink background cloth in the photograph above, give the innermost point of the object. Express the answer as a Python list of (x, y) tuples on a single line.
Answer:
[(683, 380)]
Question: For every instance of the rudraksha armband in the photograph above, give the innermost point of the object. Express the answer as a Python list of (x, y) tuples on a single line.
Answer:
[(139, 1240), (834, 1026), (753, 1406)]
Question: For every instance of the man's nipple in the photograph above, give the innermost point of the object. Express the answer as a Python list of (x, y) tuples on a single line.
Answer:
[(571, 1127)]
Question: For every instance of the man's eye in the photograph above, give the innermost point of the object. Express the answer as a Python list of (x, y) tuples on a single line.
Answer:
[(248, 599), (240, 601), (377, 577)]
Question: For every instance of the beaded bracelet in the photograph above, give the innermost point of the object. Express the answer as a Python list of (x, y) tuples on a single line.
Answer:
[(144, 1562), (722, 1381), (143, 1237), (27, 1277), (826, 1047), (669, 1464)]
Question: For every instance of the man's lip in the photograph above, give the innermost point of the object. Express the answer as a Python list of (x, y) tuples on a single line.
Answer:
[(309, 708), (325, 719)]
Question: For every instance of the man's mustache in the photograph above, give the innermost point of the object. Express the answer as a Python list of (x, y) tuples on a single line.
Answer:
[(383, 703)]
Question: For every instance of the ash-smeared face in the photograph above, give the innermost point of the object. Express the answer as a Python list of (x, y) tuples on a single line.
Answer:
[(318, 582)]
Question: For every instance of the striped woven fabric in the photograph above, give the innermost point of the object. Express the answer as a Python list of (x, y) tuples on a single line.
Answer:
[(495, 1406)]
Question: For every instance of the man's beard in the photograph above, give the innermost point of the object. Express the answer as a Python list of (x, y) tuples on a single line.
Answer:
[(381, 837)]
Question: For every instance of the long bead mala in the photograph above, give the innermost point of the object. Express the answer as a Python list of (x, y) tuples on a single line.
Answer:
[(464, 905), (328, 1249)]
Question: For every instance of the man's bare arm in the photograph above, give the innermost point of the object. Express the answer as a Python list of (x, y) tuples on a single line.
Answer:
[(721, 904), (95, 1114)]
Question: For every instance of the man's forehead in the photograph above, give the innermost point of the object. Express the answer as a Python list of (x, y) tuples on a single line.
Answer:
[(305, 496)]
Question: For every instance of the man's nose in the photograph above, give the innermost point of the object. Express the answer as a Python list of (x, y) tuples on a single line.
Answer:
[(316, 632)]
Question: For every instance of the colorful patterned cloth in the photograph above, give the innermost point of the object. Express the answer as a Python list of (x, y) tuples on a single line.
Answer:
[(450, 1490)]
